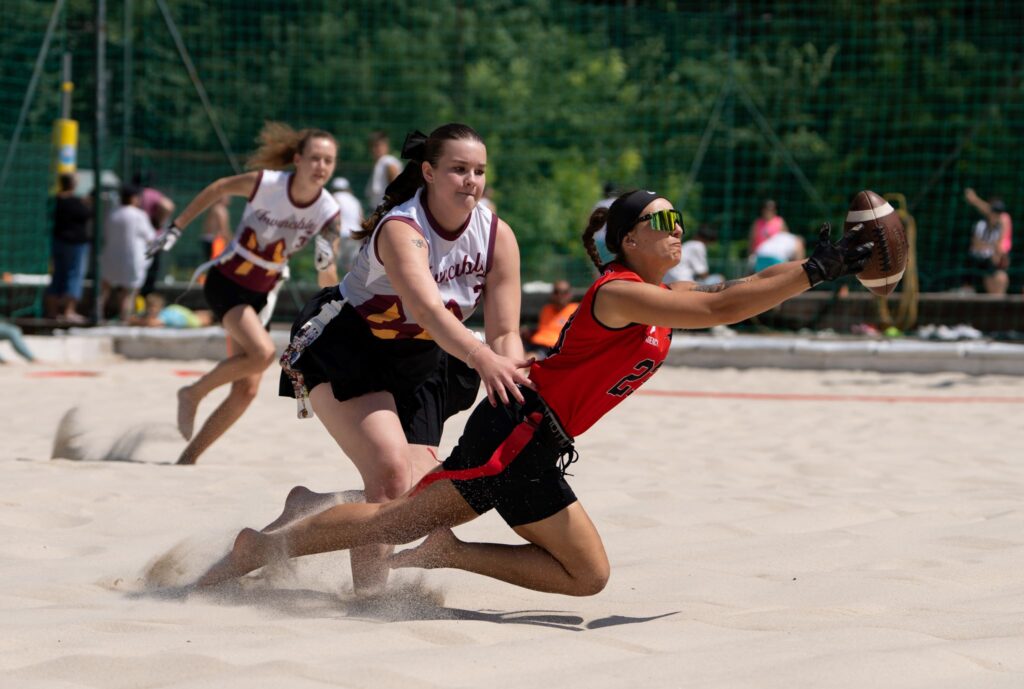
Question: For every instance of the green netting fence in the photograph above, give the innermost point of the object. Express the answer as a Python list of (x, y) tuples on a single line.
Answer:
[(718, 105)]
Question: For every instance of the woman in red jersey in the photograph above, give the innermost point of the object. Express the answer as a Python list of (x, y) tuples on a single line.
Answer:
[(513, 458)]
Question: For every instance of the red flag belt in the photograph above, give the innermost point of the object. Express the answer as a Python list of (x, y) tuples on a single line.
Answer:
[(520, 436)]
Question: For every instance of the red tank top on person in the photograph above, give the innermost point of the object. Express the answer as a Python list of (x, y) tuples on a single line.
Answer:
[(594, 367)]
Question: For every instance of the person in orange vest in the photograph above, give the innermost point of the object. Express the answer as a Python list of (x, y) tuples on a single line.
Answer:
[(553, 316)]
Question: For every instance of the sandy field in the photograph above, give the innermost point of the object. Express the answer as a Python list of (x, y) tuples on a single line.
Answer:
[(767, 529)]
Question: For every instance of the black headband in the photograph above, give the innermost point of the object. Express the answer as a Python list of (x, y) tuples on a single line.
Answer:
[(623, 214), (415, 146)]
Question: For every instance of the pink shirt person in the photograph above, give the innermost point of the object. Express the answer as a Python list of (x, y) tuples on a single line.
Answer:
[(767, 225)]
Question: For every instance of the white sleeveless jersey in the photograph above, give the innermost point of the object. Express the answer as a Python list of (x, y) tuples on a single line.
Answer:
[(273, 227), (459, 262)]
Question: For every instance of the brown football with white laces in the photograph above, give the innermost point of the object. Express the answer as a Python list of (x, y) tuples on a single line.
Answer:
[(880, 223)]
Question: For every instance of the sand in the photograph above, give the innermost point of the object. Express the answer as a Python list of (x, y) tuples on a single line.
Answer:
[(765, 528)]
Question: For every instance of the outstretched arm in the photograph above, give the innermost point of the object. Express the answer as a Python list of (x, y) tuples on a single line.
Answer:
[(972, 198), (686, 305), (237, 185)]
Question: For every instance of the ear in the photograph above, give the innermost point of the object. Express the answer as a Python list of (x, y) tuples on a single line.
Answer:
[(296, 157), (428, 171)]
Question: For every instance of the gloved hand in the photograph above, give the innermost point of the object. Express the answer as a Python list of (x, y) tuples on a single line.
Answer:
[(164, 240), (324, 255), (833, 260)]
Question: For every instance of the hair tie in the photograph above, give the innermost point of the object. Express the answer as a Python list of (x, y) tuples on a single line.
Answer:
[(415, 146)]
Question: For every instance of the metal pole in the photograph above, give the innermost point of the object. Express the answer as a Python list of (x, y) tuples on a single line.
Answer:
[(30, 92), (126, 96), (99, 128), (730, 128), (66, 87)]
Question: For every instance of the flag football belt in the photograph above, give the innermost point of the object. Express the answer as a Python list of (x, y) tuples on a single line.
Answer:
[(307, 335), (509, 449)]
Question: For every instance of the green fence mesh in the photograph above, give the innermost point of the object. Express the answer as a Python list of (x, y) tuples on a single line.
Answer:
[(717, 105)]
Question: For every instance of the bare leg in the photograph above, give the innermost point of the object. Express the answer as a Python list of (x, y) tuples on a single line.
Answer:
[(997, 282), (128, 304), (243, 392), (368, 430), (255, 353), (565, 555), (302, 502), (345, 526)]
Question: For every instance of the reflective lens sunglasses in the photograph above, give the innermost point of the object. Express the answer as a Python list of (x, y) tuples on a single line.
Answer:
[(664, 220)]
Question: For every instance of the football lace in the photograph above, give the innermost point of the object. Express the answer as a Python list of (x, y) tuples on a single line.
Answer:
[(883, 242)]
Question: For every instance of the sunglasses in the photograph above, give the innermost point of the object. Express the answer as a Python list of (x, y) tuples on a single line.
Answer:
[(664, 220)]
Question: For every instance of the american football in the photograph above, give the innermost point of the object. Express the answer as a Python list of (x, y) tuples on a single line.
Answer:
[(881, 224)]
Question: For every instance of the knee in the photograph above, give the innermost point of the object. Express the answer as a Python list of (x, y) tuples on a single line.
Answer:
[(390, 479), (245, 388), (263, 356), (592, 581)]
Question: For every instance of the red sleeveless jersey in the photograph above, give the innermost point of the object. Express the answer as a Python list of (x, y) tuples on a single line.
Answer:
[(593, 367)]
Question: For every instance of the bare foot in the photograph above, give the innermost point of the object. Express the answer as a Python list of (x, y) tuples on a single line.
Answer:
[(251, 551), (187, 406), (302, 502), (437, 551)]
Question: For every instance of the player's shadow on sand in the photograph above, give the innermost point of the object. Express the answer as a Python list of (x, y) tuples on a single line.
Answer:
[(402, 603)]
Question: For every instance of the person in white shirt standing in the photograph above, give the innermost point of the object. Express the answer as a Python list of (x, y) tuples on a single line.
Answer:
[(123, 263), (351, 221), (386, 168)]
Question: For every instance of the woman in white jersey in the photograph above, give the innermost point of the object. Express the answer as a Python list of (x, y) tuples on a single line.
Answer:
[(384, 355), (285, 210)]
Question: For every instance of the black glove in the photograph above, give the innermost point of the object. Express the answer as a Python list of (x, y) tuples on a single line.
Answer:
[(832, 260)]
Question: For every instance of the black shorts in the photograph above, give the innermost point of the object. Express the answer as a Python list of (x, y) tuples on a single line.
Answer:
[(533, 486), (428, 386), (223, 294)]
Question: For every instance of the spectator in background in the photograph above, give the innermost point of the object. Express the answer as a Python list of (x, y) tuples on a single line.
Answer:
[(159, 315), (693, 261), (123, 263), (610, 193), (781, 247), (159, 208), (989, 253), (764, 227), (385, 169), (9, 331), (216, 226), (351, 220), (71, 236), (553, 316)]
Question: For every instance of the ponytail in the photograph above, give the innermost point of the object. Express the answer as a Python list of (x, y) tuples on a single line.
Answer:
[(279, 143), (597, 220), (401, 189), (417, 149)]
